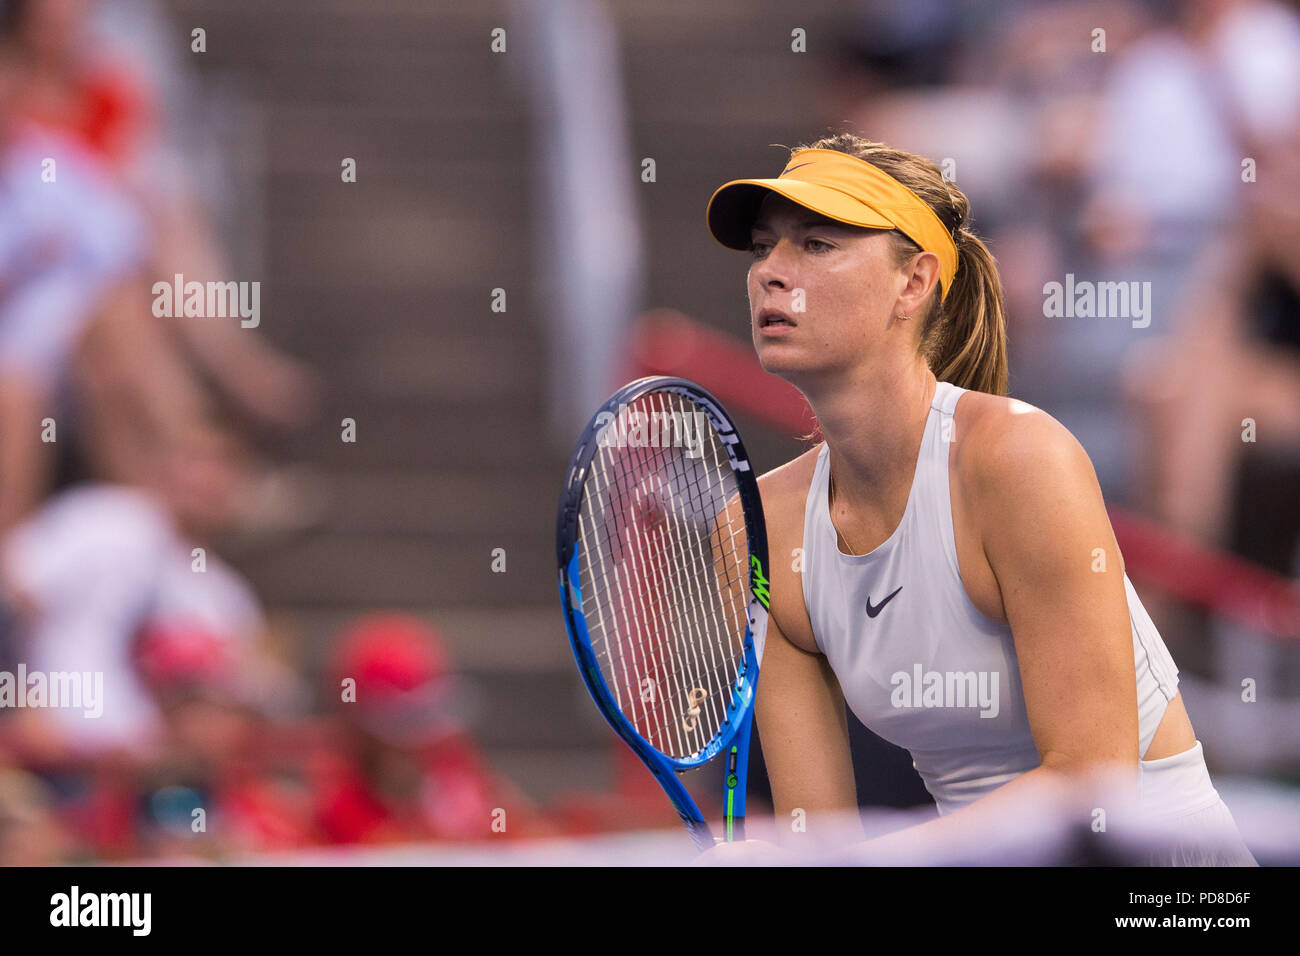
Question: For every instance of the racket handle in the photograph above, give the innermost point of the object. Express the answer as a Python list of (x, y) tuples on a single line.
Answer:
[(735, 778)]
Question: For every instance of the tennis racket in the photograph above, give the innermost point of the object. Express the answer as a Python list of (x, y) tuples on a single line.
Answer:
[(663, 581)]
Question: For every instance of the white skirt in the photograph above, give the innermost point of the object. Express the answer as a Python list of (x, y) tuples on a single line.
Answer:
[(1186, 819)]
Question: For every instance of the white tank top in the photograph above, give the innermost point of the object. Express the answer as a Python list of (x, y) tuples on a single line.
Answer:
[(918, 663)]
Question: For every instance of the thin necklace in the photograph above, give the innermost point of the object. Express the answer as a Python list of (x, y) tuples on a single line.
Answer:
[(830, 491)]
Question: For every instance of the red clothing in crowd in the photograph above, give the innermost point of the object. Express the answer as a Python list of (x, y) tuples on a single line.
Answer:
[(454, 800)]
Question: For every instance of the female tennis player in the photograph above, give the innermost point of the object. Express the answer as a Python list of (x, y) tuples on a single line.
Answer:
[(942, 562)]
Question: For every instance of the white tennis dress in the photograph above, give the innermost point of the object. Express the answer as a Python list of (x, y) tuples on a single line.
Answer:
[(923, 668)]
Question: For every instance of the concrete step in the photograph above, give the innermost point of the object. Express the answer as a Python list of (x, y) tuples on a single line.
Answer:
[(428, 434), (457, 503), (522, 639), (451, 370), (249, 31), (408, 502), (748, 86), (427, 327), (476, 157), (390, 246), (364, 570), (318, 311)]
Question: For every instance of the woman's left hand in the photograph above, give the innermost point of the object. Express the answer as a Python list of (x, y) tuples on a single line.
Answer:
[(742, 853)]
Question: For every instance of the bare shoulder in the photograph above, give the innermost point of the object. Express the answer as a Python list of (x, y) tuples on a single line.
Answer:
[(1003, 444), (784, 489), (1023, 477), (784, 492)]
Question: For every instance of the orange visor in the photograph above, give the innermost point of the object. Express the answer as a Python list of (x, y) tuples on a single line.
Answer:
[(840, 187)]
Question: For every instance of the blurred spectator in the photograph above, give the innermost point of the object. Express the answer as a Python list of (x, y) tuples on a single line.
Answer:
[(1218, 401), (121, 581), (1235, 355), (98, 562), (136, 381), (73, 86), (75, 79), (406, 768), (63, 249), (1183, 107), (218, 757)]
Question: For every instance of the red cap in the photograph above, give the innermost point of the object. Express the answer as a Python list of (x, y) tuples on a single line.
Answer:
[(169, 653), (404, 683), (389, 655)]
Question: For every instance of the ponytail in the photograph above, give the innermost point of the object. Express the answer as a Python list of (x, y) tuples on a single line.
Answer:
[(965, 338)]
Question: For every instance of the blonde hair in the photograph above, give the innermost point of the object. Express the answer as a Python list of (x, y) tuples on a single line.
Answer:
[(963, 338)]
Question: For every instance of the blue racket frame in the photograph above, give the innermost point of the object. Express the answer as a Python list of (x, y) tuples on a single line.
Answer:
[(733, 738)]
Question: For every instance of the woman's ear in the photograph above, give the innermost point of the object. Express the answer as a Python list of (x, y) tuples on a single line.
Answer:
[(922, 273)]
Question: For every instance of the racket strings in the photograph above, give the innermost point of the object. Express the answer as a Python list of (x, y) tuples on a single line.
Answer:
[(706, 600), (664, 570), (647, 565)]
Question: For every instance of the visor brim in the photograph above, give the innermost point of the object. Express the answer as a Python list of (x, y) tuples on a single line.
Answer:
[(734, 207)]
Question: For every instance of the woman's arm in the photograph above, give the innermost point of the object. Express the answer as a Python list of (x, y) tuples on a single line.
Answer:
[(1049, 542), (804, 732)]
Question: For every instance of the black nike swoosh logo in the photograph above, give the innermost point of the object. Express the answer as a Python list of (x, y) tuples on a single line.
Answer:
[(791, 168), (872, 611)]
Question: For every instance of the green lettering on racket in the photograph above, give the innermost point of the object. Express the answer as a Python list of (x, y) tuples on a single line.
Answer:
[(759, 579)]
